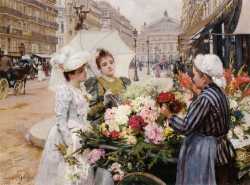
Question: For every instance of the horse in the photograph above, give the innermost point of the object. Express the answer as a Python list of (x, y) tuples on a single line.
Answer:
[(17, 75)]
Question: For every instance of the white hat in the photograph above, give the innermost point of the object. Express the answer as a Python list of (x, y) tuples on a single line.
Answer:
[(62, 56), (75, 61), (212, 66)]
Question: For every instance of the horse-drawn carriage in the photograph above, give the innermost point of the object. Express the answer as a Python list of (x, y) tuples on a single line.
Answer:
[(13, 77)]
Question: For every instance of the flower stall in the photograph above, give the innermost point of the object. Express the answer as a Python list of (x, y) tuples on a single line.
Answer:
[(135, 139)]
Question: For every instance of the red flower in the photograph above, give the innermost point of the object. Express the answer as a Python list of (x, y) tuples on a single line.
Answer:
[(185, 80), (165, 97), (246, 93), (115, 134), (243, 79), (240, 80), (136, 122), (228, 74)]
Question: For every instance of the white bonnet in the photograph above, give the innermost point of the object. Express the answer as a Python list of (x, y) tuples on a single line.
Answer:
[(212, 66), (61, 56), (76, 60)]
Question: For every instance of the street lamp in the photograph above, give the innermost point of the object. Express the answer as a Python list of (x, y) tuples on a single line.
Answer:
[(136, 78), (148, 71), (81, 13)]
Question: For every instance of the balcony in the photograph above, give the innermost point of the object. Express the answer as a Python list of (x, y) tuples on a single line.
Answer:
[(4, 30), (8, 30), (40, 37), (17, 13), (41, 5), (34, 36)]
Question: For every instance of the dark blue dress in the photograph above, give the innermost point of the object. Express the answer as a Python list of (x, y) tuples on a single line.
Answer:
[(206, 145)]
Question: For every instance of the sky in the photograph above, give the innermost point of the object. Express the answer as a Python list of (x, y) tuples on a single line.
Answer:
[(140, 11)]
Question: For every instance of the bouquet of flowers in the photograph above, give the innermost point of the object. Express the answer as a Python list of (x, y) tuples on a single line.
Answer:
[(134, 133), (238, 90), (149, 87), (169, 100)]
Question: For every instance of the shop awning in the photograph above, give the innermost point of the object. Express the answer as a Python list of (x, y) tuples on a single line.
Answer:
[(243, 26), (211, 19), (43, 55)]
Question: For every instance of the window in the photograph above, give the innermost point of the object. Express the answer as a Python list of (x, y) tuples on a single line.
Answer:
[(62, 27), (29, 11), (171, 47), (15, 5)]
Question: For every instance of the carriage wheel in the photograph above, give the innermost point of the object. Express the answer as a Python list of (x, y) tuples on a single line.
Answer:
[(140, 178), (4, 87), (18, 87)]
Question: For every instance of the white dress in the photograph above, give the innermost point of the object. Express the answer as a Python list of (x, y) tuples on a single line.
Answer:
[(71, 110), (41, 74)]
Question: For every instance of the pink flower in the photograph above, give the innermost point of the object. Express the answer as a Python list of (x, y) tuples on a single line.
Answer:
[(116, 170), (118, 177), (154, 133), (95, 155), (109, 115), (149, 114), (115, 167)]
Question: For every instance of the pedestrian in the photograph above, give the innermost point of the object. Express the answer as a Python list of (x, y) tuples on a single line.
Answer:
[(206, 156), (41, 75)]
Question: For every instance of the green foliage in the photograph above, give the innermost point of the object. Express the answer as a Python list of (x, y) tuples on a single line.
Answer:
[(134, 158)]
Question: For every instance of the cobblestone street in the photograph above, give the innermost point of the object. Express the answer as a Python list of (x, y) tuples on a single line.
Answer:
[(19, 159)]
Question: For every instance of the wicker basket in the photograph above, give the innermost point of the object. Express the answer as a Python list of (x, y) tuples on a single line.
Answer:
[(141, 178)]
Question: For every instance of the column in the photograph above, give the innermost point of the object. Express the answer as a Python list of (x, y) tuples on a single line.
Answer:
[(239, 56), (248, 53), (211, 43)]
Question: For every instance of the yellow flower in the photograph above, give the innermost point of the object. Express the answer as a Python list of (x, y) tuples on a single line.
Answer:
[(168, 132), (124, 132), (131, 140), (102, 127)]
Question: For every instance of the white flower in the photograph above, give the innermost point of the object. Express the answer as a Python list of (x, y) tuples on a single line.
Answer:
[(239, 132), (163, 84), (121, 114), (72, 175), (117, 116), (230, 134), (113, 126), (115, 167), (233, 104), (238, 94), (233, 119), (141, 102)]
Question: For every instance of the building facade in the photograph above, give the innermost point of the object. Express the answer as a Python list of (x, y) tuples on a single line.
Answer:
[(158, 42), (194, 11), (92, 22), (112, 19), (209, 27), (61, 21), (28, 27)]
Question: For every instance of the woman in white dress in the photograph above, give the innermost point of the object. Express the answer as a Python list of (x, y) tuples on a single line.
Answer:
[(41, 74), (71, 109)]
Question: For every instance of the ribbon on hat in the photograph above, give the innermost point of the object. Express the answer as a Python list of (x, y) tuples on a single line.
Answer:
[(57, 61)]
